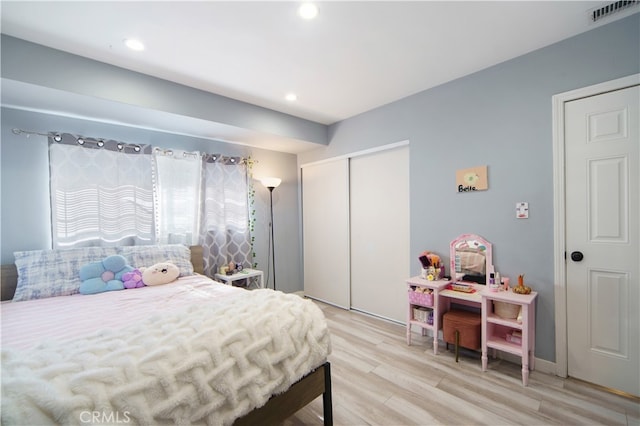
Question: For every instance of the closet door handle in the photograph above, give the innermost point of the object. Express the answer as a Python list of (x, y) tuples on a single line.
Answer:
[(577, 256)]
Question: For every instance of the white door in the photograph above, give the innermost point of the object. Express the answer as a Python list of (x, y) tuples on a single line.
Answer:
[(602, 225), (325, 231), (379, 199)]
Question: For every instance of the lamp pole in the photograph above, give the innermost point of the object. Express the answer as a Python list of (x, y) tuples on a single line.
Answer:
[(273, 247), (272, 183)]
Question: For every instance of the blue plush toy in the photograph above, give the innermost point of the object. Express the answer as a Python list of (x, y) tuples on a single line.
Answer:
[(105, 275)]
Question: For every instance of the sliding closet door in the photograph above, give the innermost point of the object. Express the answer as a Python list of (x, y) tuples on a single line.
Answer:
[(325, 230), (379, 224)]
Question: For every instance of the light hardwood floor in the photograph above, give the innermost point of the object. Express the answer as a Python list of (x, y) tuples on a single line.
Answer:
[(377, 379)]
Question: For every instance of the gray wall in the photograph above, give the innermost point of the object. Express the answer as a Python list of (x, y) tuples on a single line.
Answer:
[(500, 117), (25, 210)]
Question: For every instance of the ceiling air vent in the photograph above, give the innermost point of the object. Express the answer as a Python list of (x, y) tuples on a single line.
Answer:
[(611, 8)]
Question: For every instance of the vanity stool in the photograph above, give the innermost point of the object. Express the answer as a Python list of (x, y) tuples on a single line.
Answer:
[(462, 328)]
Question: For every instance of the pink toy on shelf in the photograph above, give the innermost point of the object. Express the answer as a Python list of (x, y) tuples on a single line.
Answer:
[(505, 281)]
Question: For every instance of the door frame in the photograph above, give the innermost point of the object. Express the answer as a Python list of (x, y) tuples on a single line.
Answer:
[(559, 211)]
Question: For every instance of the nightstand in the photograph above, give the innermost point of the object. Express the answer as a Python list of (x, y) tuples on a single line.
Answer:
[(241, 275)]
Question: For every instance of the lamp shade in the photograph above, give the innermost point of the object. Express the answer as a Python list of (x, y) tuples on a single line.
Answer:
[(271, 182)]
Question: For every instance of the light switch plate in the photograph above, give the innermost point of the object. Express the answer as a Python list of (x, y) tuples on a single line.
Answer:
[(522, 210)]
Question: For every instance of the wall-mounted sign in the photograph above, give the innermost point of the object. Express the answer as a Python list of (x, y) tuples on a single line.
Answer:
[(473, 179)]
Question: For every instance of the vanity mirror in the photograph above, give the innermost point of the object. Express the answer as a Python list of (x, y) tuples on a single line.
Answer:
[(471, 258)]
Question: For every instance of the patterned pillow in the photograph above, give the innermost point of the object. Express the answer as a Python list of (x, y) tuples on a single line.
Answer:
[(50, 273), (146, 256)]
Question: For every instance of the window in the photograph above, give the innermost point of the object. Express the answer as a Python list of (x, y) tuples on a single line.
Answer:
[(177, 193), (100, 197), (109, 193)]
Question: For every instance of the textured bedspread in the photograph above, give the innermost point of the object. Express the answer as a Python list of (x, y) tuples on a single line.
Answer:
[(208, 364)]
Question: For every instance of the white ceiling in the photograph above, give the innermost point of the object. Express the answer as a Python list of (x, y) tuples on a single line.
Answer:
[(355, 56)]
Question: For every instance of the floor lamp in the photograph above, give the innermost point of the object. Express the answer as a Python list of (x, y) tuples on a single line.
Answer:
[(271, 183)]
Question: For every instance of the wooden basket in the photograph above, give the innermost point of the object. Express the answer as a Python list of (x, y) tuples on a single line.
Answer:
[(506, 310), (420, 314)]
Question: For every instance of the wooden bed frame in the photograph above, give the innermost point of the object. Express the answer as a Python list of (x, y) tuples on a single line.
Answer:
[(9, 279), (279, 407)]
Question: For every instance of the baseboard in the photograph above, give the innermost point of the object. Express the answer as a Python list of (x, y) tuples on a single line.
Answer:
[(544, 366)]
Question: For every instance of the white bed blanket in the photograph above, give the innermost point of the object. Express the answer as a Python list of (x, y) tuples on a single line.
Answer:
[(209, 364)]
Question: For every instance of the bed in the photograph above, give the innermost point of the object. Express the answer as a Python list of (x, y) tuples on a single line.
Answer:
[(193, 351)]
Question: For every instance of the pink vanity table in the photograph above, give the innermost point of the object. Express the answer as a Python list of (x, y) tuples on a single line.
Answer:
[(494, 329), (515, 336)]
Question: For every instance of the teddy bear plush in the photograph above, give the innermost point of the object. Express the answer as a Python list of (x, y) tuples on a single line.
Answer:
[(160, 273), (105, 275)]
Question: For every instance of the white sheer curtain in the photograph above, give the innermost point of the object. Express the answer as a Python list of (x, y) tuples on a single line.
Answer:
[(224, 232), (99, 196), (177, 196)]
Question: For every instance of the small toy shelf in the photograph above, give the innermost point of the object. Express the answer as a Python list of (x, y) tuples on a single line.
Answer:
[(423, 311), (512, 333)]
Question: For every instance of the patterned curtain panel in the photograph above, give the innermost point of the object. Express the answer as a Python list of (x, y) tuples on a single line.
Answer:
[(224, 228), (178, 178), (101, 193)]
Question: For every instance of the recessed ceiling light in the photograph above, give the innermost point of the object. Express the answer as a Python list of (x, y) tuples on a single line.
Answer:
[(291, 97), (308, 11), (134, 44)]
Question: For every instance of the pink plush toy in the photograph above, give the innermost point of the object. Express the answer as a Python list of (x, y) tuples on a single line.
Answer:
[(133, 279)]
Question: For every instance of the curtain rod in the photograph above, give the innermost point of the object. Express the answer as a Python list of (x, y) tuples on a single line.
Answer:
[(57, 136), (27, 132), (60, 137)]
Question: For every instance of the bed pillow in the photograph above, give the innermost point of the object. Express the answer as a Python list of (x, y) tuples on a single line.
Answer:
[(146, 256), (50, 273)]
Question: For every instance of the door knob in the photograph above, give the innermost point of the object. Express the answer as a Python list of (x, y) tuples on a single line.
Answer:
[(577, 256)]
